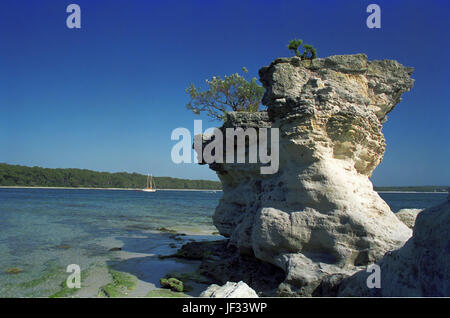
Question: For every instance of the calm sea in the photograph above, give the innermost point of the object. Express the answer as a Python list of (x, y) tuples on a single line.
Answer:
[(44, 230)]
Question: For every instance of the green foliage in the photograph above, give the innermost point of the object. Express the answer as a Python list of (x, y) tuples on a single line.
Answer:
[(309, 52), (14, 175), (232, 93), (293, 45)]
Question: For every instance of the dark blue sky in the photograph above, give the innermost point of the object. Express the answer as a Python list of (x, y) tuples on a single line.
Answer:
[(107, 96)]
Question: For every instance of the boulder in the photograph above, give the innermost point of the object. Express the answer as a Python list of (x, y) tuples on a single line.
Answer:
[(230, 290), (419, 269)]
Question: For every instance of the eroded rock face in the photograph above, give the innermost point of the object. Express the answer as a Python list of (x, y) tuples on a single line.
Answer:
[(318, 215), (419, 269)]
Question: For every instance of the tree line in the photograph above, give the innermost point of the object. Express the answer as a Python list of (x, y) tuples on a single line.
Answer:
[(15, 175), (415, 189)]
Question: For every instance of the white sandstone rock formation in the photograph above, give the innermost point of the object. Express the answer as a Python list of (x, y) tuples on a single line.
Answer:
[(420, 268), (408, 216), (230, 290), (318, 214)]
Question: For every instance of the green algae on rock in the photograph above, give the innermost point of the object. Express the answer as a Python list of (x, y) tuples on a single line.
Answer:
[(47, 275), (122, 283), (172, 284), (65, 290), (194, 276)]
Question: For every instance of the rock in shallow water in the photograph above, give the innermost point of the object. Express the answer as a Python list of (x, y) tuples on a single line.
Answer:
[(222, 263), (318, 215), (230, 290)]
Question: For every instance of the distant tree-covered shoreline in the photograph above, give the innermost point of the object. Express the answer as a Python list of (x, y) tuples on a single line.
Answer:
[(15, 175), (22, 176), (414, 189)]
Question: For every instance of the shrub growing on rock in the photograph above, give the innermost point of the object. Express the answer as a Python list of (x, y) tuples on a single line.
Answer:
[(232, 93), (293, 45), (309, 52)]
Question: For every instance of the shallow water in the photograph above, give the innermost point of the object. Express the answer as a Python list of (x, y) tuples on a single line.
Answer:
[(44, 230)]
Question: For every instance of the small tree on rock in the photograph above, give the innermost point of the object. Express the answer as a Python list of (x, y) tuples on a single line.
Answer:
[(232, 93), (293, 45), (309, 52)]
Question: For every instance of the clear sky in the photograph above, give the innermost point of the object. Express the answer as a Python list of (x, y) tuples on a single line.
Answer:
[(107, 96)]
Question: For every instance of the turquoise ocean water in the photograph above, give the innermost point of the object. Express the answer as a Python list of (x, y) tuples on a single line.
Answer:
[(44, 230)]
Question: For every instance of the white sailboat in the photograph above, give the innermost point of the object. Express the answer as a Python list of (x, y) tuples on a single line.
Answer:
[(151, 186)]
